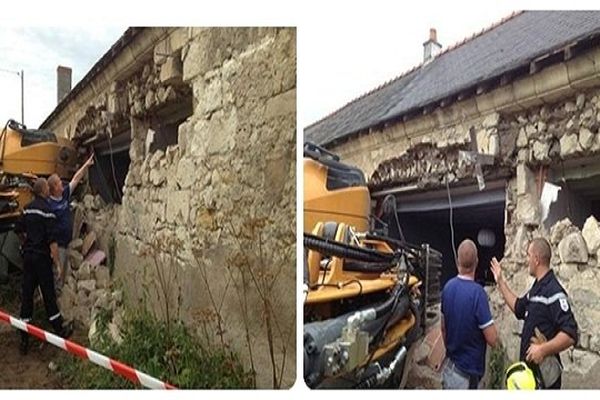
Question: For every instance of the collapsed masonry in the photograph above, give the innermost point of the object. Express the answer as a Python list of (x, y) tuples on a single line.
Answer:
[(556, 144), (194, 132)]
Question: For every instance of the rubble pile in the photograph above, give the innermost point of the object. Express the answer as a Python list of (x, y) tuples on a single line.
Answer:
[(87, 289)]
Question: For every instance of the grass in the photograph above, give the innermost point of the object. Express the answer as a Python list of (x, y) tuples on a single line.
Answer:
[(170, 354), (497, 367)]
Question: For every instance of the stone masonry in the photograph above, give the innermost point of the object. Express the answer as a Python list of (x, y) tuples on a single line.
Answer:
[(205, 231), (524, 144)]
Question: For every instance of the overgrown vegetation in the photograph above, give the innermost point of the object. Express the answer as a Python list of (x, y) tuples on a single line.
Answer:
[(497, 367), (171, 354)]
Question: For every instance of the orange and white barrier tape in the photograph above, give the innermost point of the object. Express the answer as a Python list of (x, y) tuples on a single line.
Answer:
[(87, 354)]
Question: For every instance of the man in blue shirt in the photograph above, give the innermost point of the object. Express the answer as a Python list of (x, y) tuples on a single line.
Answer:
[(58, 201), (545, 307), (467, 324)]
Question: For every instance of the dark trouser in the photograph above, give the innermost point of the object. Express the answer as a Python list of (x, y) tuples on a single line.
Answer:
[(556, 384), (37, 271)]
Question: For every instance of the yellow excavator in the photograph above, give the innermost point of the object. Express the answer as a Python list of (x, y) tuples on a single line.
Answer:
[(24, 155), (365, 293)]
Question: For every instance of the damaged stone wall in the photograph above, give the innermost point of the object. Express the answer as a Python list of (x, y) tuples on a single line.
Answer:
[(525, 144), (205, 231), (225, 197), (547, 136)]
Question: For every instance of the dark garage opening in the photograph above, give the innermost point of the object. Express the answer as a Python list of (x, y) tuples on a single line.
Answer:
[(425, 218), (110, 169)]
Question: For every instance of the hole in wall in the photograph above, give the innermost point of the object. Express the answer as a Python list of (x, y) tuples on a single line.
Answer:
[(479, 216)]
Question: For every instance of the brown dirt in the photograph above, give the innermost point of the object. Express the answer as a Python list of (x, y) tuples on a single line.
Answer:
[(29, 371)]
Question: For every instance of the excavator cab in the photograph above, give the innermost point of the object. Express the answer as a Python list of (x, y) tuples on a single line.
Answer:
[(24, 155)]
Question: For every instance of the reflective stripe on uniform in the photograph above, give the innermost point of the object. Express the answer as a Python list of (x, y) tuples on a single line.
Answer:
[(52, 318), (548, 300), (39, 212)]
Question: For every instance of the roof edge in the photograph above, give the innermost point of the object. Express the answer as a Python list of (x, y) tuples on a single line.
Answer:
[(125, 39), (402, 75)]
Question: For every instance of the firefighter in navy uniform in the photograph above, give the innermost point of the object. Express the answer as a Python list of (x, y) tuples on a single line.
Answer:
[(549, 326), (39, 251)]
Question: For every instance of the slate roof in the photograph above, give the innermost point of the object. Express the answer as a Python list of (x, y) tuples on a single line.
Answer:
[(511, 44)]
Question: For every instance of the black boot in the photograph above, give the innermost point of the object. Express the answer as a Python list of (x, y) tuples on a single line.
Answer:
[(24, 345), (63, 331)]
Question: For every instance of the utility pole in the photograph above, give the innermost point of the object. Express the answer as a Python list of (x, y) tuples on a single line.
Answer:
[(22, 75), (22, 97)]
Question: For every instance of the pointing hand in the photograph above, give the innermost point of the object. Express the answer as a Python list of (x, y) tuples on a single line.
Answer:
[(496, 270)]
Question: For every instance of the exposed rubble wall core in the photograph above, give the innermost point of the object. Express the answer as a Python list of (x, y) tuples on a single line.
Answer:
[(205, 230), (556, 142)]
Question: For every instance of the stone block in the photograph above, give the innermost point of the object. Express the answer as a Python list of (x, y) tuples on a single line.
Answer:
[(83, 299), (567, 271), (136, 150), (490, 120), (591, 234), (561, 229), (103, 299), (569, 145), (580, 101), (155, 159), (178, 204), (281, 105), (171, 71), (528, 210), (586, 138), (572, 249), (76, 244), (525, 180), (88, 201), (221, 135), (158, 176), (531, 130), (84, 272), (541, 150), (522, 138), (67, 299), (82, 314), (208, 95), (102, 275), (88, 242), (187, 172), (87, 285)]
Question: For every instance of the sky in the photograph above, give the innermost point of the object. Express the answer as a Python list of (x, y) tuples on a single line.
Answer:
[(38, 50), (340, 62)]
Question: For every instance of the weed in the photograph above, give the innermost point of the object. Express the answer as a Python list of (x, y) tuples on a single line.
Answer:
[(497, 367), (172, 355)]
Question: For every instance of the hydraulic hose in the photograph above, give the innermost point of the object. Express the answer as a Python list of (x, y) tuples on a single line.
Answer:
[(355, 266), (384, 373), (385, 307), (343, 250)]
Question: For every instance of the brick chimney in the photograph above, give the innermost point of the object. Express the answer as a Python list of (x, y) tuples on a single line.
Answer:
[(63, 82), (431, 47)]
